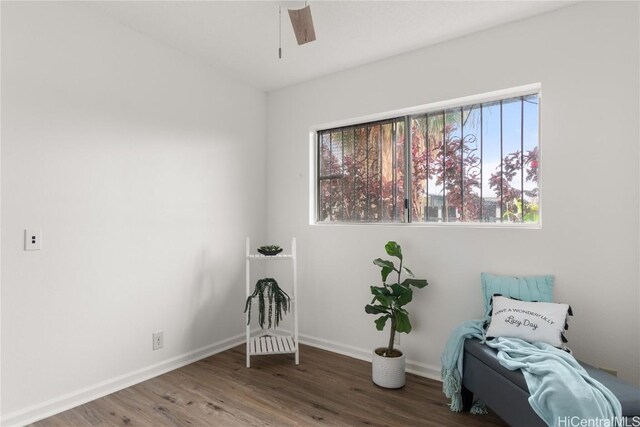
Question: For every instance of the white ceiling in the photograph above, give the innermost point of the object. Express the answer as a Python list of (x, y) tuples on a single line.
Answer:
[(240, 38)]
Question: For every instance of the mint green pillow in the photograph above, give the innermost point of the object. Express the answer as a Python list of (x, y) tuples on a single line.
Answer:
[(524, 288)]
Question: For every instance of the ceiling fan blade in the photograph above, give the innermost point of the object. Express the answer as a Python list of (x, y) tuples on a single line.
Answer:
[(302, 24)]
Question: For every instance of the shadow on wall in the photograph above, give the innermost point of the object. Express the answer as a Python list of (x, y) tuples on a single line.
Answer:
[(216, 300)]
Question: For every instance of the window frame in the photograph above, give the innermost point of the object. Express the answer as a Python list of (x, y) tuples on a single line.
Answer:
[(407, 114)]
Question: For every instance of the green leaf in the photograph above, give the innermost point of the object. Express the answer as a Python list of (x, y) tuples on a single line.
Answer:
[(374, 309), (402, 322), (393, 249), (418, 283), (386, 267), (397, 289), (381, 295), (384, 263), (385, 273), (380, 290), (380, 322), (403, 294), (409, 272), (384, 302)]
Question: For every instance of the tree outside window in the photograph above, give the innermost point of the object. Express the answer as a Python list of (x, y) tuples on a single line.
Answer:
[(476, 163)]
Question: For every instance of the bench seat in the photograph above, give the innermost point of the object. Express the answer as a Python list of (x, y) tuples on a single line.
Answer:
[(507, 394)]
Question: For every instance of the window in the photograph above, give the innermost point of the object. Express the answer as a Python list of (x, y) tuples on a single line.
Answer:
[(476, 163)]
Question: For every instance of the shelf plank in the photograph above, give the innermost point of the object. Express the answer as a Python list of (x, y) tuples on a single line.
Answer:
[(271, 345), (279, 256)]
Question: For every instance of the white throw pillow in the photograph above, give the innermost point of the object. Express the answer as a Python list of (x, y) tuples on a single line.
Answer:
[(530, 321)]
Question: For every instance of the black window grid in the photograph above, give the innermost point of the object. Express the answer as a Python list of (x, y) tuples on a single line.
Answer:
[(402, 212)]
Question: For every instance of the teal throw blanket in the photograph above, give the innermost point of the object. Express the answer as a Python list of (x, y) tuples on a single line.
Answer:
[(559, 387), (452, 364)]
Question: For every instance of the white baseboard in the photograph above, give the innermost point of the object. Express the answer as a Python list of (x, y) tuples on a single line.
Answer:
[(59, 404), (417, 368)]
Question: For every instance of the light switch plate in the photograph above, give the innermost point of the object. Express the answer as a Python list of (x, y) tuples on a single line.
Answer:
[(32, 239)]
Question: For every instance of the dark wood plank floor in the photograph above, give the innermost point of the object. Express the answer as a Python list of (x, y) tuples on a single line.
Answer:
[(325, 389)]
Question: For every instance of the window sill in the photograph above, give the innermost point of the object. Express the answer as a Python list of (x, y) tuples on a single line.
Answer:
[(432, 225)]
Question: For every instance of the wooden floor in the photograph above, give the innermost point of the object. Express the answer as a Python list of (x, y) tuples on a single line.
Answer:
[(325, 389)]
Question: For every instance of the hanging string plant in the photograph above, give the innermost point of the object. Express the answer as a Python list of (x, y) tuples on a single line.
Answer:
[(279, 302)]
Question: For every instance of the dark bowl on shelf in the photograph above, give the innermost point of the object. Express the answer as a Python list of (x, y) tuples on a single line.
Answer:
[(268, 252)]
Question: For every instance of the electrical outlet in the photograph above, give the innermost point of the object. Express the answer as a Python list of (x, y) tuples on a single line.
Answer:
[(32, 239), (158, 340)]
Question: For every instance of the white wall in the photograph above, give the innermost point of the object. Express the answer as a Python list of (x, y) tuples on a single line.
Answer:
[(145, 171), (586, 58), (141, 169)]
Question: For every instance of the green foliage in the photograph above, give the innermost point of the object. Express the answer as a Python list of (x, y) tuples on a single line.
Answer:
[(279, 302), (393, 249), (269, 248), (389, 299), (529, 212)]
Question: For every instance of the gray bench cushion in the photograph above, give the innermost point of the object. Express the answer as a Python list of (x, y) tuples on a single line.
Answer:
[(627, 394)]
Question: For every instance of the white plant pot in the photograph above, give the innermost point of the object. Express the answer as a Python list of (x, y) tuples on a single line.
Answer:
[(388, 372)]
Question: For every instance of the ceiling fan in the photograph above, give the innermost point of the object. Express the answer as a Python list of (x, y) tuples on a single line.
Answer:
[(302, 23)]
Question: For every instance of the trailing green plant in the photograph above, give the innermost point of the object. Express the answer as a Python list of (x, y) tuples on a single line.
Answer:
[(390, 298), (267, 289)]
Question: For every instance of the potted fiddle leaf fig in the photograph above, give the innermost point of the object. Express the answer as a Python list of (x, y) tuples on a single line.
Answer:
[(388, 364)]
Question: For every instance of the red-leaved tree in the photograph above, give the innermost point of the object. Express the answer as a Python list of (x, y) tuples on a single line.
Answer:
[(362, 175)]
